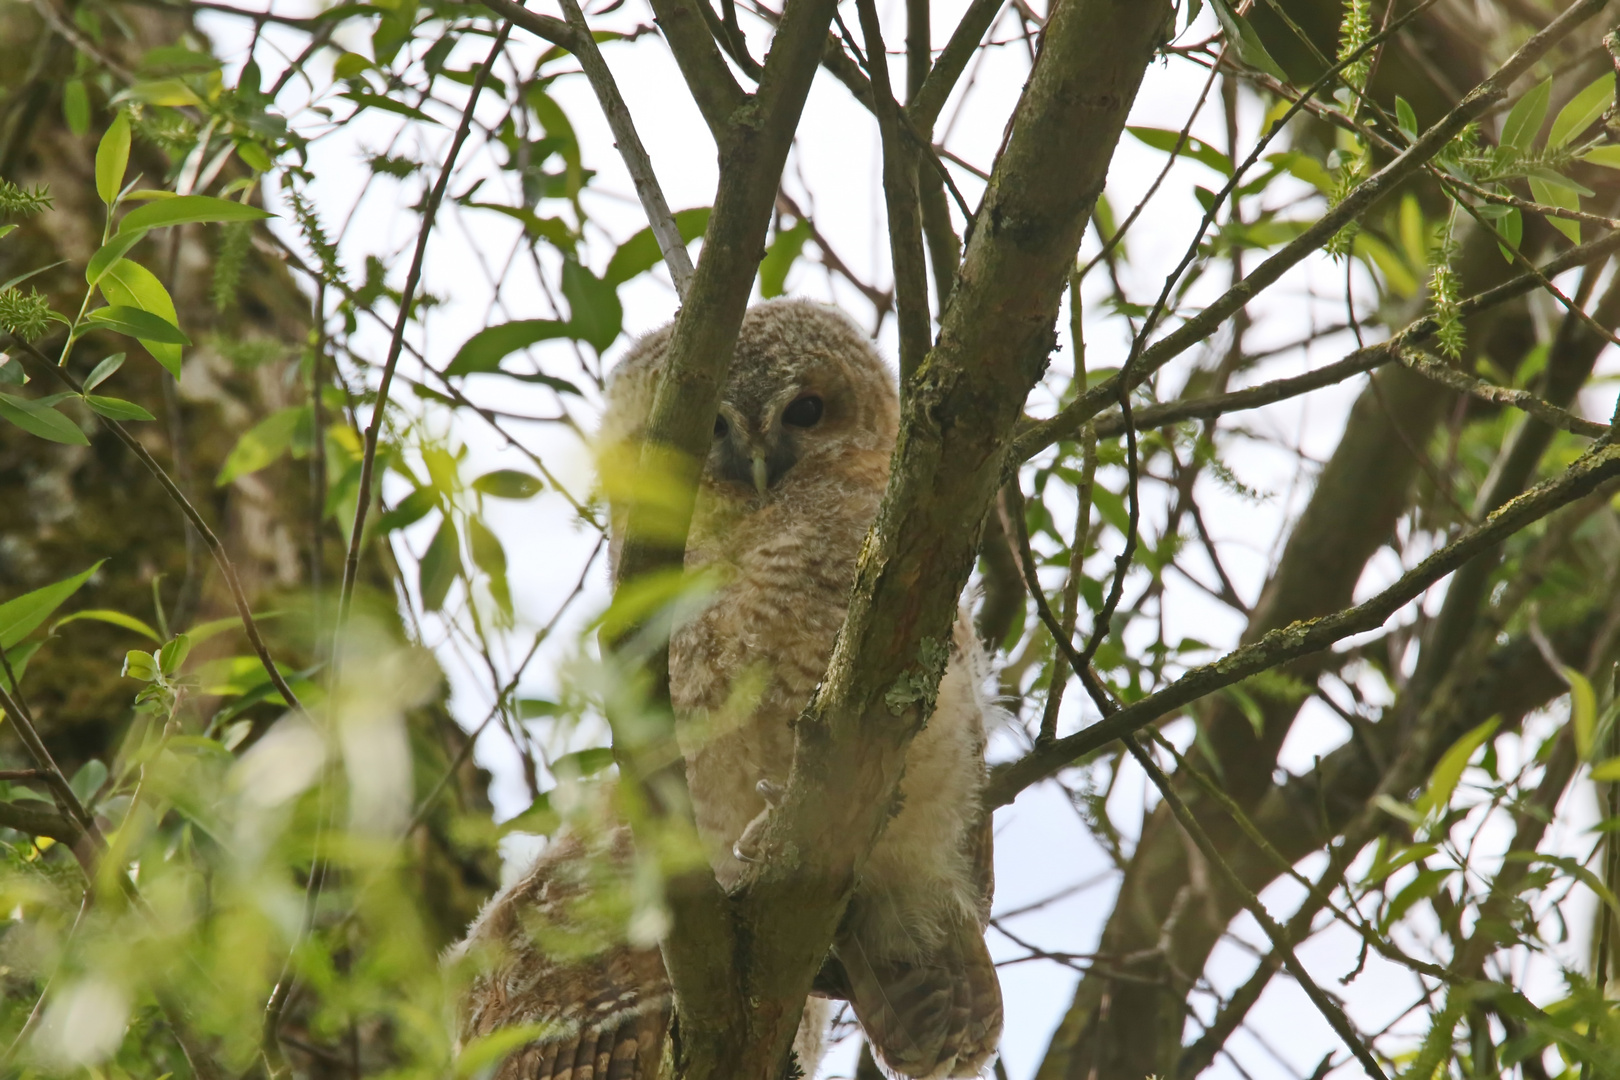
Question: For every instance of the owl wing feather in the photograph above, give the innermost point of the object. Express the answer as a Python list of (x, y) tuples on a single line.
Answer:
[(543, 959)]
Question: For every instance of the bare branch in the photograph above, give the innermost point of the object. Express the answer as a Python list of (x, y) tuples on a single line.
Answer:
[(1547, 413), (1303, 638), (1478, 101), (634, 154)]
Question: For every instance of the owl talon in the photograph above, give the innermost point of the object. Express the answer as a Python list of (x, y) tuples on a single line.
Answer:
[(771, 792)]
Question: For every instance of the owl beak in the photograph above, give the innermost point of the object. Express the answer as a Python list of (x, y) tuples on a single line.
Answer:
[(762, 473)]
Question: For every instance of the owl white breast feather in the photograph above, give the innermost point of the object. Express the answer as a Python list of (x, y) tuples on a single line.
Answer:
[(794, 476)]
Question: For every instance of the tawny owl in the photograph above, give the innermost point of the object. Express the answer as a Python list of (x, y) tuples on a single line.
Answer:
[(797, 467)]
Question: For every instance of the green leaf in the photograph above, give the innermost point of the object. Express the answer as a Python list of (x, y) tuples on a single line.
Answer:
[(263, 443), (779, 259), (583, 762), (112, 159), (1448, 771), (117, 408), (641, 253), (115, 618), (109, 253), (508, 484), (408, 511), (170, 92), (1406, 119), (1583, 711), (594, 313), (484, 351), (1524, 121), (1549, 192), (140, 665), (133, 285), (1195, 148), (1607, 156), (185, 209), (1242, 35), (441, 565), (172, 655), (76, 106), (1583, 110), (88, 780), (487, 553), (19, 617), (103, 371), (138, 324), (375, 101), (1607, 771), (1421, 887), (18, 658), (38, 418)]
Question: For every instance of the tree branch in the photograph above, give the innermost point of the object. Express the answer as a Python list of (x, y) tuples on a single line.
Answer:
[(900, 198), (1480, 99), (226, 568), (634, 154), (1305, 637), (704, 70), (1040, 434), (1280, 942)]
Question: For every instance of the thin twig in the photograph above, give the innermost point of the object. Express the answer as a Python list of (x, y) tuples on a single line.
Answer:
[(634, 154), (430, 209), (1329, 1009), (226, 568)]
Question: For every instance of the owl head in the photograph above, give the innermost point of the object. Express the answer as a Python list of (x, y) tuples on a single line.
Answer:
[(806, 392)]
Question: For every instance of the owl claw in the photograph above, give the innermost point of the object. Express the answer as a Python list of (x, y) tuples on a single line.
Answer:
[(771, 792)]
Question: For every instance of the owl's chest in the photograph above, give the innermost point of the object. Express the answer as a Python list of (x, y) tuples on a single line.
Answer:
[(768, 632)]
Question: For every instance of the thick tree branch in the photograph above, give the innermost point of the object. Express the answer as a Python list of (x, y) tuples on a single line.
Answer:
[(962, 405), (930, 97)]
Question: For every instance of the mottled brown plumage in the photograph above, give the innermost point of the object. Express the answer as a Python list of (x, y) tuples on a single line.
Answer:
[(797, 468)]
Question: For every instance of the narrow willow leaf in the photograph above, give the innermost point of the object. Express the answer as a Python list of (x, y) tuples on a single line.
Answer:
[(484, 351), (508, 484), (19, 617), (641, 253), (76, 106), (117, 408), (1583, 711), (104, 371), (779, 259), (112, 158), (1448, 771), (133, 285), (1583, 110), (143, 325), (441, 565), (109, 254), (1523, 122), (185, 209), (263, 443), (40, 419), (113, 618), (595, 315), (1197, 149)]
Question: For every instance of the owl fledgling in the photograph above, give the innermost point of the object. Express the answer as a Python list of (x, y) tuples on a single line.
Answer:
[(795, 473)]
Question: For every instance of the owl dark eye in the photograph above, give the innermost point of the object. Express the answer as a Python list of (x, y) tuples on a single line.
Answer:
[(805, 412), (721, 427)]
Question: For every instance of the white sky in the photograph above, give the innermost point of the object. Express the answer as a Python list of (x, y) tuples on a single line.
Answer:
[(834, 172)]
